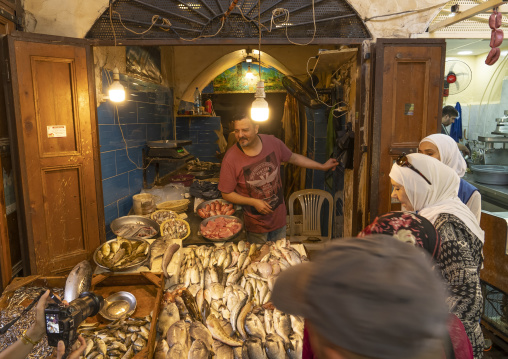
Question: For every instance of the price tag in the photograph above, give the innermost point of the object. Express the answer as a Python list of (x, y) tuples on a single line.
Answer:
[(57, 131)]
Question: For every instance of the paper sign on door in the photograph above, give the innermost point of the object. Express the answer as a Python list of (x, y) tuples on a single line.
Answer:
[(57, 131)]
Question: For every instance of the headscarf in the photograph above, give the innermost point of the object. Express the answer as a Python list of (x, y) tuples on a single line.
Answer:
[(448, 151), (406, 227), (440, 196)]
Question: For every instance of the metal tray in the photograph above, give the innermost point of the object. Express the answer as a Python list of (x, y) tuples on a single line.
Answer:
[(132, 220), (126, 268), (205, 221), (490, 174), (118, 305), (203, 205)]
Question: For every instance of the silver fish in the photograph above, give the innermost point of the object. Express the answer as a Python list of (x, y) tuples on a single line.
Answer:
[(297, 324), (255, 348), (198, 350), (161, 349), (199, 331), (268, 322), (168, 316), (177, 351), (282, 325), (254, 327), (240, 322), (168, 255), (178, 334), (296, 349), (223, 351), (78, 281), (218, 333), (157, 249), (274, 346)]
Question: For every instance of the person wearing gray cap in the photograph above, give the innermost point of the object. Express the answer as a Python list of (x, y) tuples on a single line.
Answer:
[(371, 298)]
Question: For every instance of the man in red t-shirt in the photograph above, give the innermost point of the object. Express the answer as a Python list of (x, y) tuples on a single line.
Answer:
[(250, 176)]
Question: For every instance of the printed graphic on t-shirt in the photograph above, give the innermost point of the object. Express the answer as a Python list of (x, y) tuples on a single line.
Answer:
[(262, 180)]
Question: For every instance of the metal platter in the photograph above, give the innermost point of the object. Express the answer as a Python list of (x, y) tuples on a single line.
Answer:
[(138, 263), (118, 305), (135, 221), (205, 221), (490, 174)]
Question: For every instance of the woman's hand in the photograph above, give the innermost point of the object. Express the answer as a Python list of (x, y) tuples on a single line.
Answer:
[(76, 352), (37, 331)]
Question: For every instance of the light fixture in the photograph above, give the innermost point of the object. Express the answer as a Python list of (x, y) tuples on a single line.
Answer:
[(454, 10), (259, 111), (248, 59), (467, 52), (116, 90), (249, 75)]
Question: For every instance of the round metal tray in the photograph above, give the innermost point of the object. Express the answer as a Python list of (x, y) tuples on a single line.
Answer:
[(203, 205), (490, 174), (118, 305), (205, 221), (118, 223), (135, 265)]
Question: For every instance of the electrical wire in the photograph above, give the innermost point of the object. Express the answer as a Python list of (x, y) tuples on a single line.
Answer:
[(285, 22), (405, 12), (259, 29), (116, 112)]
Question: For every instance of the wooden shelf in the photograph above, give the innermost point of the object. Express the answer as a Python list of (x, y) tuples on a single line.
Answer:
[(329, 61), (195, 116)]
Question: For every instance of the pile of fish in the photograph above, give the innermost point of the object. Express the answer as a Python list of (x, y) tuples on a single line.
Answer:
[(175, 228), (121, 253), (13, 310), (121, 339), (221, 305), (163, 215)]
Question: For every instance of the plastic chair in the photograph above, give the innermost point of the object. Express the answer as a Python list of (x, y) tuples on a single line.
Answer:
[(311, 201)]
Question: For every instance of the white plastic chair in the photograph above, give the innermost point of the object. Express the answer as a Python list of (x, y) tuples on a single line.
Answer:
[(311, 201)]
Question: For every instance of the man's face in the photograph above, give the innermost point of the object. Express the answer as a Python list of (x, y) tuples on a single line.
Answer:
[(448, 120), (245, 132)]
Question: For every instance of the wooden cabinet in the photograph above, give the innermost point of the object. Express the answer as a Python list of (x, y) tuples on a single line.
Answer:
[(407, 107), (53, 129)]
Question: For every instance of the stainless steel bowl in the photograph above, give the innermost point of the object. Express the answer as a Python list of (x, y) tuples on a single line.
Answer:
[(205, 221), (203, 205), (141, 221), (142, 260), (118, 305), (490, 174)]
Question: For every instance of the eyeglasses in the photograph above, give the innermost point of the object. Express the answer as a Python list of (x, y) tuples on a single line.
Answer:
[(403, 161)]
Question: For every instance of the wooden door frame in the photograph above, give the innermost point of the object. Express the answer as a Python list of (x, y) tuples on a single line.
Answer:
[(378, 108), (16, 136)]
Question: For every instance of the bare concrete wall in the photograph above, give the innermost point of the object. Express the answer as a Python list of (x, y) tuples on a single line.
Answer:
[(74, 18)]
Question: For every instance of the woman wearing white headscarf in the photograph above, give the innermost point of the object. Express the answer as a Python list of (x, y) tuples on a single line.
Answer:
[(445, 149), (429, 187)]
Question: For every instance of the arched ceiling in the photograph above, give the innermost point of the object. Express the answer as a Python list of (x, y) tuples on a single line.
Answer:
[(76, 18), (224, 63)]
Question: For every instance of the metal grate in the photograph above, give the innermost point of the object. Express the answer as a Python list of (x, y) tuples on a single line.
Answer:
[(495, 308), (192, 18)]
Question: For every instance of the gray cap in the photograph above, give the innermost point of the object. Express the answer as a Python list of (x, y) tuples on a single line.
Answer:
[(374, 296)]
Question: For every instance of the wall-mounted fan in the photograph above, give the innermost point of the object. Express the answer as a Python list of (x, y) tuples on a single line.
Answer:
[(302, 92), (457, 77)]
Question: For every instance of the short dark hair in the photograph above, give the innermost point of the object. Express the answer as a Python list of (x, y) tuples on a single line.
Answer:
[(240, 116), (450, 111)]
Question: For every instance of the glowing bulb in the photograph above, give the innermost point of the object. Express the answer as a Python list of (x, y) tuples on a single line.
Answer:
[(116, 90), (259, 111), (249, 75)]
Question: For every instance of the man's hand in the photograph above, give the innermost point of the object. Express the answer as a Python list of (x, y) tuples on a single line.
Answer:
[(262, 206), (463, 149), (37, 331), (330, 164), (76, 353)]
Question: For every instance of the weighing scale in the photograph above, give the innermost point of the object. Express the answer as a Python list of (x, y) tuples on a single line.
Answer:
[(165, 151)]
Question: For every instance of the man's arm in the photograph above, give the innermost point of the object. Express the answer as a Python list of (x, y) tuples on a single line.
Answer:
[(260, 205), (306, 162)]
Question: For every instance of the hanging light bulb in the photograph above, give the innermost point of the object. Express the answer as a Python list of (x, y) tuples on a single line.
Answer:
[(259, 111), (249, 75), (116, 90)]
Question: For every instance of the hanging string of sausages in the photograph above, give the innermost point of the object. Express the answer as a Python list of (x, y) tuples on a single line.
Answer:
[(496, 37)]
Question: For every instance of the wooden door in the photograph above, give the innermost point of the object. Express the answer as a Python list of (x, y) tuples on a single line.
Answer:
[(55, 124), (407, 107)]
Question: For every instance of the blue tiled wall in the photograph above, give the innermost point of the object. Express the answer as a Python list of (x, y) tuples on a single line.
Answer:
[(201, 131), (146, 115)]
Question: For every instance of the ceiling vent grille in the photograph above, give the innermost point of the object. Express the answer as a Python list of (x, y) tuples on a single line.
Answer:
[(190, 19)]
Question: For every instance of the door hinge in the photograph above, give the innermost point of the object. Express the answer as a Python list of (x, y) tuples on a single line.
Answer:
[(7, 70)]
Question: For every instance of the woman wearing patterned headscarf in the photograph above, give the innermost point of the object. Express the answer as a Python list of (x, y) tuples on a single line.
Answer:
[(429, 187), (444, 148), (418, 231)]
